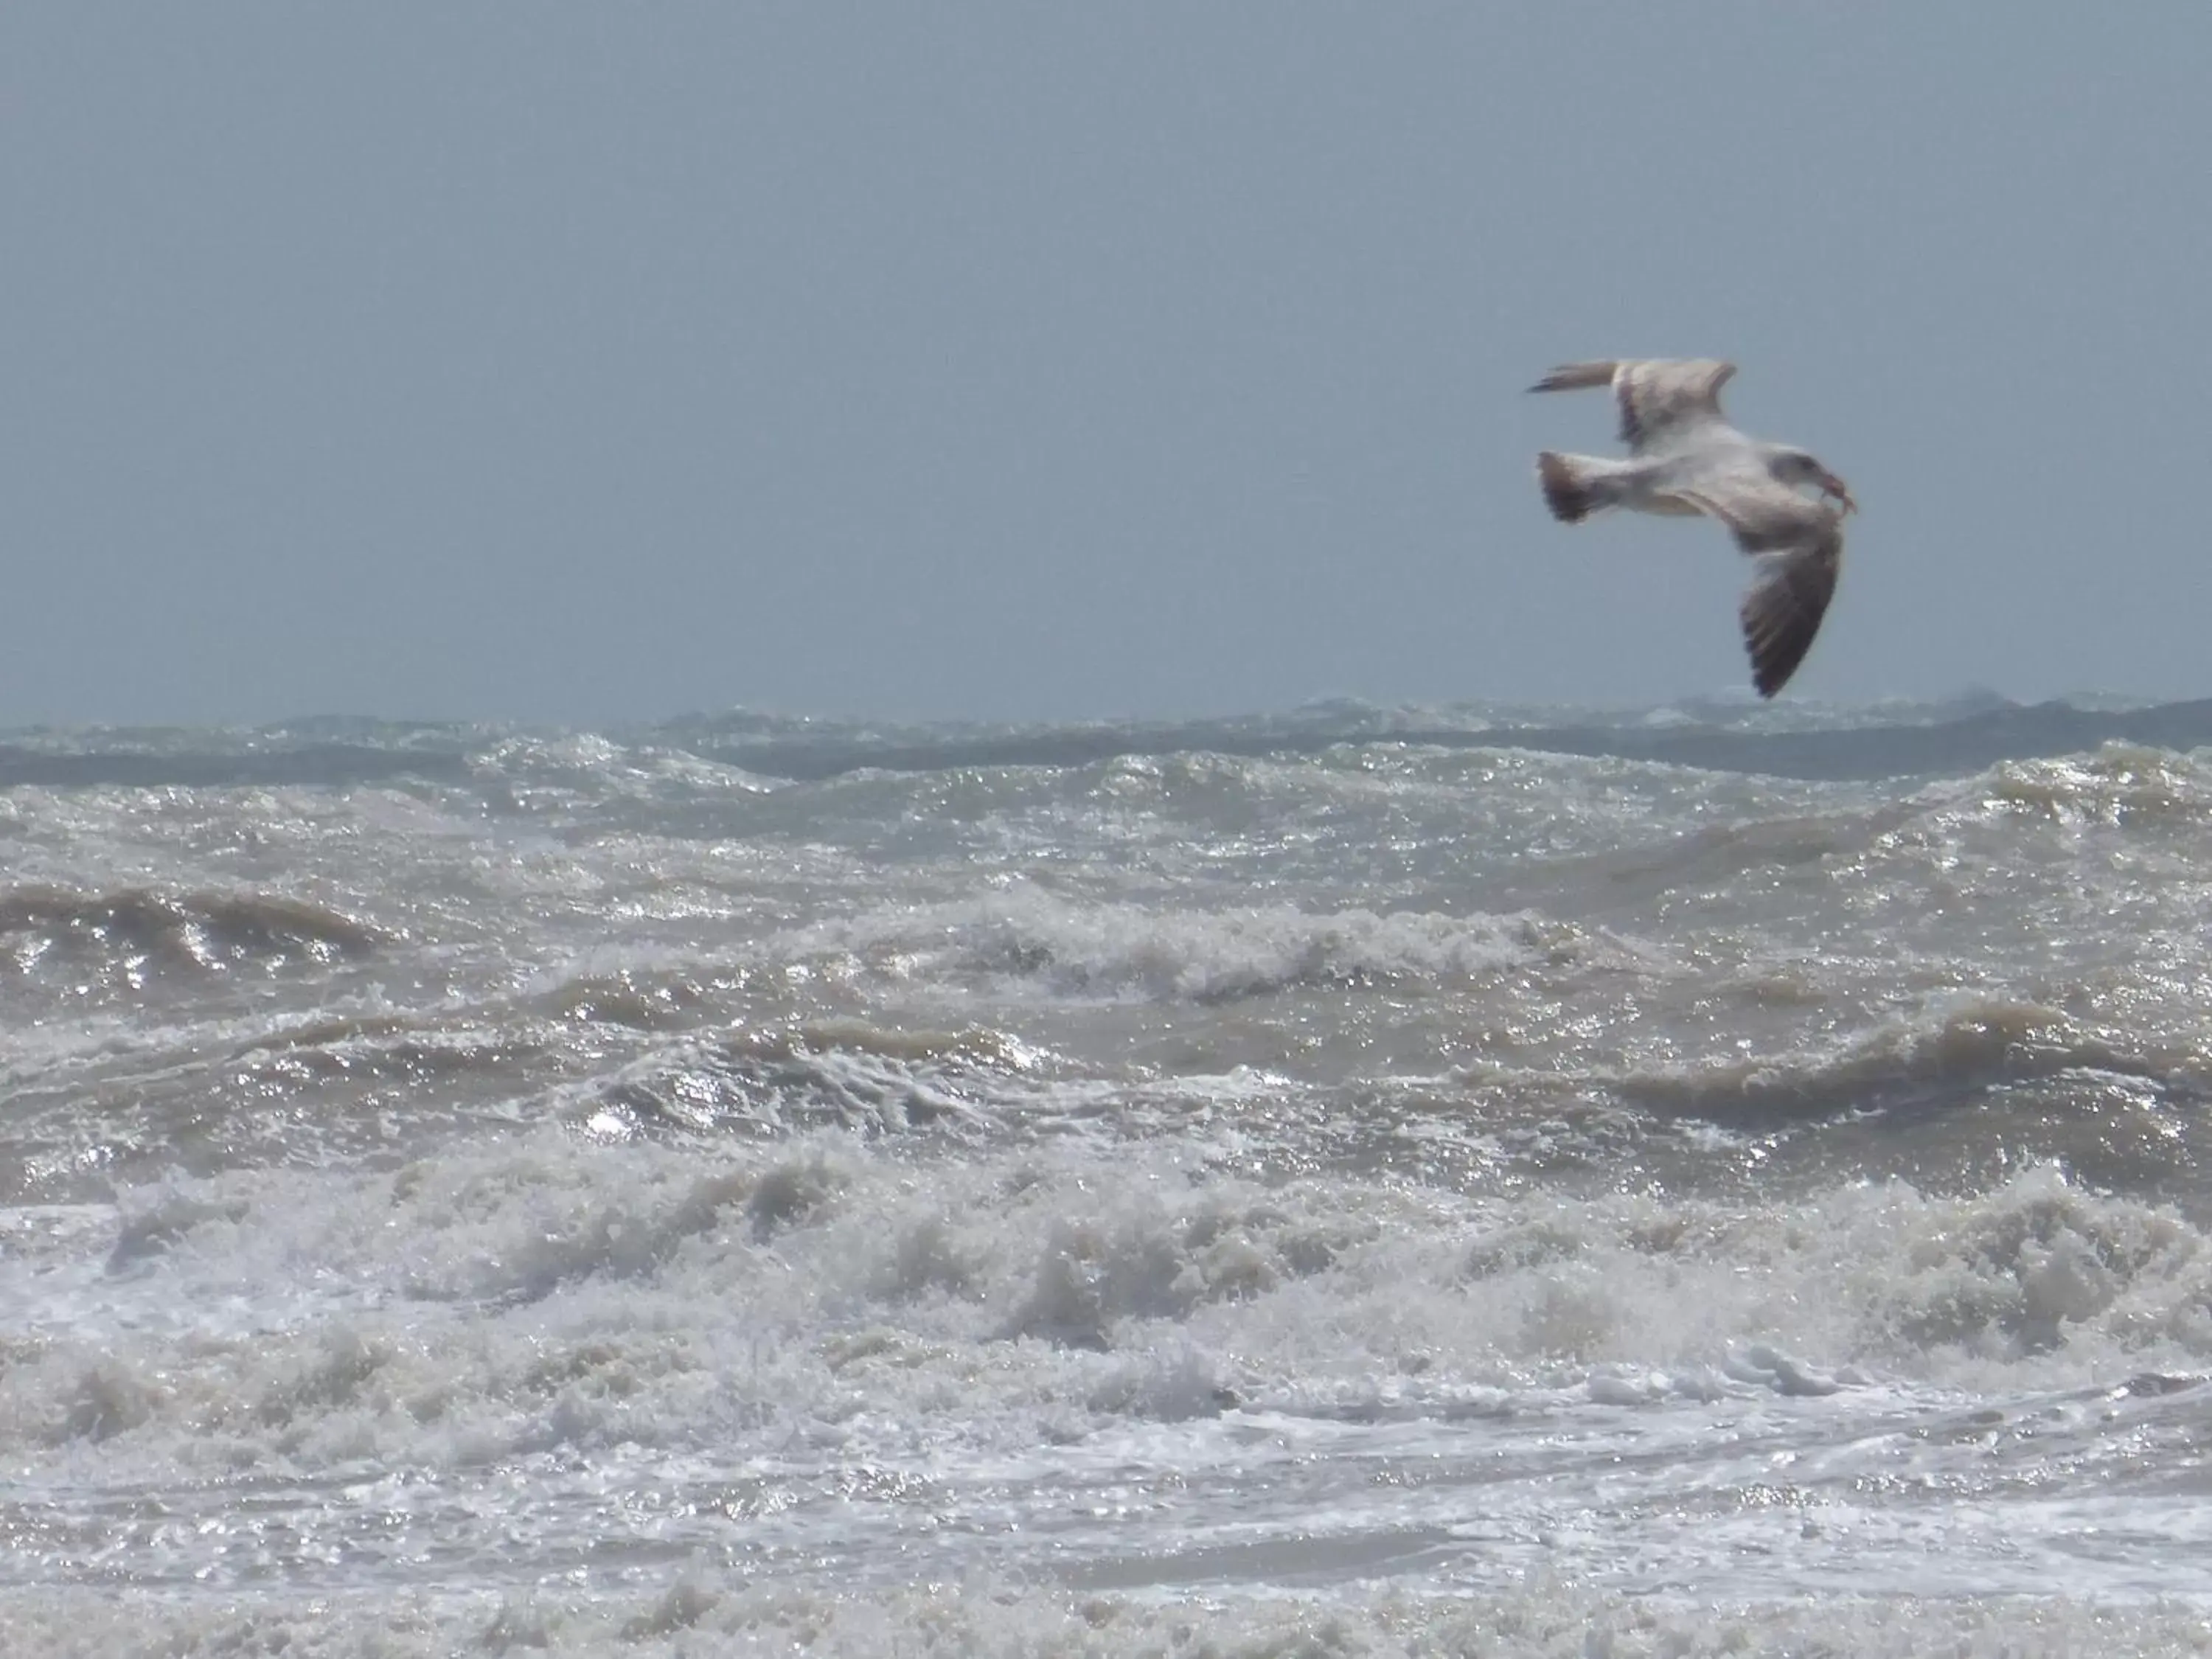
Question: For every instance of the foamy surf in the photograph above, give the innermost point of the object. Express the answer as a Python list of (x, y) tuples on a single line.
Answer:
[(1354, 1181)]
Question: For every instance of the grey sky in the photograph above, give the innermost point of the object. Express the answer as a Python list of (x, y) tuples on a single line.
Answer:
[(579, 362)]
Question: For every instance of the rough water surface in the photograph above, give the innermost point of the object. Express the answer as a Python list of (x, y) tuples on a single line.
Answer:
[(1462, 1181)]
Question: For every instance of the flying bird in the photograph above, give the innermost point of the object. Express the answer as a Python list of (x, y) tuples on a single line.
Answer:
[(1684, 457)]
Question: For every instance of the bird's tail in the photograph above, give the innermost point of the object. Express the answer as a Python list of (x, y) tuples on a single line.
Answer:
[(1574, 486)]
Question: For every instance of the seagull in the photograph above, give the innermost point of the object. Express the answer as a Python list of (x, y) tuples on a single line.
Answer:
[(1686, 459)]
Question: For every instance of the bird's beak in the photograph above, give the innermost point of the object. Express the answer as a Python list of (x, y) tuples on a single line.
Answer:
[(1831, 485)]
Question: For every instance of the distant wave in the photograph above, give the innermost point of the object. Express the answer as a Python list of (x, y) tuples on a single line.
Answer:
[(1945, 746), (176, 764), (1807, 742)]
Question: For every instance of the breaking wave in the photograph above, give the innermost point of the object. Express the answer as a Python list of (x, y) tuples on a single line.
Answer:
[(843, 1075), (1151, 953)]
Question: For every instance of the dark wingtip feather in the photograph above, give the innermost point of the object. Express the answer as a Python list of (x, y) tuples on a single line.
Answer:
[(1783, 608), (1565, 492), (1776, 643)]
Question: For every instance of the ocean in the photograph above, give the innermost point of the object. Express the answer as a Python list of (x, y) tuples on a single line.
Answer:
[(1721, 1179)]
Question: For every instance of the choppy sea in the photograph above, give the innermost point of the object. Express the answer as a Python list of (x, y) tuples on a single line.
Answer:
[(1355, 1182)]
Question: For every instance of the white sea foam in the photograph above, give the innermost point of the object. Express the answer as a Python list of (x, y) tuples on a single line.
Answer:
[(1121, 1361), (704, 1611)]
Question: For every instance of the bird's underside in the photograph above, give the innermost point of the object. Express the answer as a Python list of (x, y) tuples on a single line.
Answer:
[(1685, 459)]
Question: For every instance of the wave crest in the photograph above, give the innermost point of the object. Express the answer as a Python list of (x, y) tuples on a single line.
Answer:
[(131, 932), (1970, 1045)]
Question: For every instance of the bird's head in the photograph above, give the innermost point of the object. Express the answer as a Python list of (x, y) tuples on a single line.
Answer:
[(1795, 467)]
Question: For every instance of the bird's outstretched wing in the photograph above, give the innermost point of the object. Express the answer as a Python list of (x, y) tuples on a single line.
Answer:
[(1661, 399), (1796, 549)]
